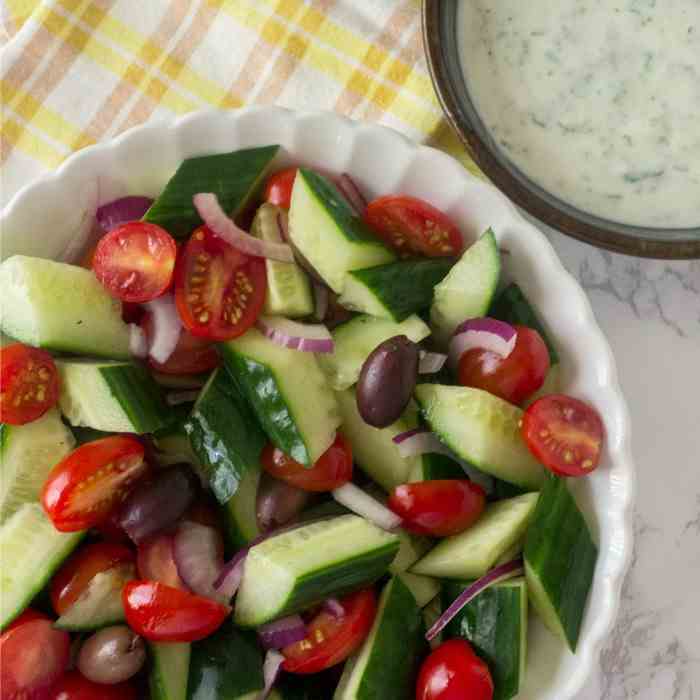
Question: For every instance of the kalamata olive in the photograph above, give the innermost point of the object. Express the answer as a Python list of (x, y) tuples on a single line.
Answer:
[(112, 655), (278, 502), (159, 502), (387, 380)]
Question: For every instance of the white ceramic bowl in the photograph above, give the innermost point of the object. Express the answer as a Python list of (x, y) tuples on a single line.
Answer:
[(53, 216)]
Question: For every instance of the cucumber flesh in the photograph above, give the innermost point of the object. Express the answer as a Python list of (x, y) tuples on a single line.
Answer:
[(387, 662), (224, 434), (299, 568), (228, 665), (27, 454), (482, 429), (100, 604), (473, 552), (60, 307), (328, 233), (423, 588), (288, 287), (495, 623), (233, 177), (560, 558), (288, 393), (118, 397), (411, 549), (357, 338), (396, 290), (468, 289), (169, 670), (35, 549)]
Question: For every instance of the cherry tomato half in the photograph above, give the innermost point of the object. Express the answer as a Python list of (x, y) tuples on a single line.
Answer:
[(162, 613), (278, 188), (75, 575), (135, 261), (440, 508), (155, 561), (82, 489), (29, 383), (454, 672), (565, 434), (27, 615), (411, 226), (74, 686), (32, 657), (330, 638), (330, 471), (192, 355), (219, 291), (514, 379)]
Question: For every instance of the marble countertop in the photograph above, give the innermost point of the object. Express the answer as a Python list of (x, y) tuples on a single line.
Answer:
[(650, 313)]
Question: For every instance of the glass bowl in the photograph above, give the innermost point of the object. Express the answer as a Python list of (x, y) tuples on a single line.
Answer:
[(440, 27)]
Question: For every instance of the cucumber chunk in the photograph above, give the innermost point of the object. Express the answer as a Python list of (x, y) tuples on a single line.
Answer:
[(228, 665), (240, 512), (60, 307), (436, 466), (100, 604), (34, 549), (468, 289), (395, 290), (512, 306), (473, 552), (387, 662), (117, 397), (328, 233), (27, 455), (233, 177), (287, 391), (482, 429), (495, 623), (560, 558), (288, 287), (299, 568), (224, 434), (357, 338), (169, 670), (411, 549)]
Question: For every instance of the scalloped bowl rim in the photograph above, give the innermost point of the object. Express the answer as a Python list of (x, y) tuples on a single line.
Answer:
[(324, 138)]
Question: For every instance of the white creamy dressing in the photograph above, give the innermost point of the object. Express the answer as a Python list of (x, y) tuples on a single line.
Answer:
[(598, 101)]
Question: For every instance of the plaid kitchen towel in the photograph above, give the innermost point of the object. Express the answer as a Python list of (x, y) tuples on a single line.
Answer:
[(74, 72)]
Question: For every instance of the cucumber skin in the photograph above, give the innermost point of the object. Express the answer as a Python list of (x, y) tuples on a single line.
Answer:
[(233, 177), (146, 410), (225, 666), (558, 527), (437, 466), (405, 287), (160, 675), (484, 623), (391, 669), (256, 381), (512, 306), (224, 435)]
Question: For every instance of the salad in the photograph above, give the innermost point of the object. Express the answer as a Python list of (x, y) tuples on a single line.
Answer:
[(268, 440)]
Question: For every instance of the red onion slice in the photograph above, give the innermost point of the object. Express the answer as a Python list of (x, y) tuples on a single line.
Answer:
[(280, 633), (121, 210), (334, 607), (320, 300), (485, 333), (497, 575), (364, 505), (138, 345), (271, 671), (198, 553), (296, 336), (352, 193), (175, 398), (215, 218), (166, 327), (420, 441), (155, 561), (431, 362)]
